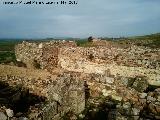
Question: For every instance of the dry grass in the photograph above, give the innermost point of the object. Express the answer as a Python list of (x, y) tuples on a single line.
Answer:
[(23, 72)]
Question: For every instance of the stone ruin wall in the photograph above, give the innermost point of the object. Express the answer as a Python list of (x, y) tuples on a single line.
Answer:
[(28, 53), (130, 57), (40, 53), (134, 99), (131, 61), (63, 92), (53, 54), (120, 74), (124, 62)]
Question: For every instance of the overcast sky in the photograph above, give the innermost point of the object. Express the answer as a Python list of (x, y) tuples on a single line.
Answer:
[(98, 18)]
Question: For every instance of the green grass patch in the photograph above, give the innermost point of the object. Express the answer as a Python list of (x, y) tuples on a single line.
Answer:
[(7, 57), (8, 45)]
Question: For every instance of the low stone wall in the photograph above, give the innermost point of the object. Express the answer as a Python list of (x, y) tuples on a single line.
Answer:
[(81, 60), (130, 61), (133, 96), (122, 97), (28, 53), (131, 57), (62, 93), (40, 53), (51, 55), (129, 77)]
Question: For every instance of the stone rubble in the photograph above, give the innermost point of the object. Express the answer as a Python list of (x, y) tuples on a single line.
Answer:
[(91, 83)]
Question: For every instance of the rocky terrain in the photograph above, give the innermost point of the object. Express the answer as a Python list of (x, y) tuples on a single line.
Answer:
[(63, 81)]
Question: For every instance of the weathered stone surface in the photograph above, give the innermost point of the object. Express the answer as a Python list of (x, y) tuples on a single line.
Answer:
[(118, 75), (135, 111), (155, 83), (140, 84), (151, 99), (126, 105), (136, 117), (69, 92), (157, 117), (109, 80), (66, 93), (106, 93), (143, 95), (158, 109), (9, 112), (3, 116), (158, 98), (151, 107), (116, 97), (23, 118)]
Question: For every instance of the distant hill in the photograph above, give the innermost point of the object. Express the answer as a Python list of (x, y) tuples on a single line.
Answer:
[(152, 40)]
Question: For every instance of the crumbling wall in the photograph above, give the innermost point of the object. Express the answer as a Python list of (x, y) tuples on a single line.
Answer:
[(130, 61), (122, 97), (69, 92), (131, 57), (62, 54), (128, 76), (124, 62), (50, 57), (63, 93), (131, 95), (45, 54), (29, 53)]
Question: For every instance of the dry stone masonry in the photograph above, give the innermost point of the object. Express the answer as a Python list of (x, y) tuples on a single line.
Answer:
[(62, 93), (90, 83)]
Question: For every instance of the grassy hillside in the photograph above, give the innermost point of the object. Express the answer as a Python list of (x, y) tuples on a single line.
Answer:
[(7, 57), (8, 45), (152, 40), (7, 50)]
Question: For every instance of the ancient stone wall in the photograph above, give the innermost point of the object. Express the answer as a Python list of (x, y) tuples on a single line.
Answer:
[(62, 93), (128, 77), (28, 53), (130, 61), (131, 57), (125, 62), (59, 54), (124, 97), (45, 54)]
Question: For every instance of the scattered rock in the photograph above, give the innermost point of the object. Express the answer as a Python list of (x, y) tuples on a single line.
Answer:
[(152, 108), (116, 97), (151, 99), (9, 112), (106, 93), (23, 118), (155, 83), (135, 111), (126, 105), (81, 116), (121, 118), (143, 95), (109, 80)]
